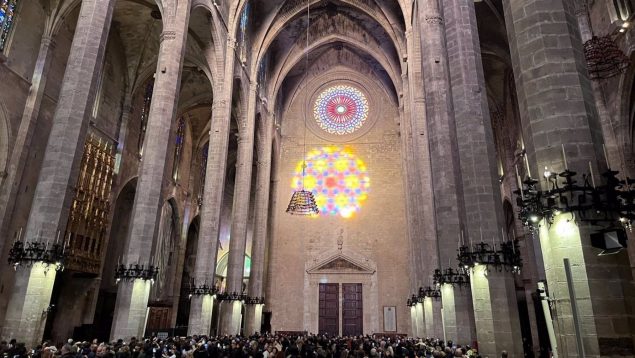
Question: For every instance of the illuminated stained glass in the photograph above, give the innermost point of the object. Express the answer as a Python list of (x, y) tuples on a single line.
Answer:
[(178, 149), (7, 15), (145, 114), (341, 109), (338, 179)]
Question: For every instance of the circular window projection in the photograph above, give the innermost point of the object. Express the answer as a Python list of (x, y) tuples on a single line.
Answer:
[(341, 109), (338, 179)]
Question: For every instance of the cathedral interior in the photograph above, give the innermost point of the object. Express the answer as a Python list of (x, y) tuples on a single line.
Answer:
[(461, 169)]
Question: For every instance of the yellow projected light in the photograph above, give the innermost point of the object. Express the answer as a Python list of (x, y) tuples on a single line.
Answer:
[(338, 179)]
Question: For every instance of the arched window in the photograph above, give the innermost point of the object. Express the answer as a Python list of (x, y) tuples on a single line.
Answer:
[(178, 148), (624, 8), (145, 113), (244, 26), (7, 16), (204, 153)]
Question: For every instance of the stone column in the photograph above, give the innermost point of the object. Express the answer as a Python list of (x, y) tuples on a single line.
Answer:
[(132, 296), (230, 321), (444, 151), (253, 317), (421, 328), (450, 328), (200, 320), (31, 295), (477, 153), (413, 321), (20, 152), (420, 203), (432, 318), (557, 107), (429, 319), (490, 292)]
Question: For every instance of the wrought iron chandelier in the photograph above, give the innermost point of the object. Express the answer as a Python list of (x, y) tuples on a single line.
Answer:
[(430, 292), (255, 301), (231, 296), (507, 257), (449, 276), (203, 290), (611, 204), (604, 58), (136, 272), (303, 201), (26, 254)]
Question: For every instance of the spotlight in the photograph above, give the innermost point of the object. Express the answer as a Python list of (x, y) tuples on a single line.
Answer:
[(547, 173), (533, 218)]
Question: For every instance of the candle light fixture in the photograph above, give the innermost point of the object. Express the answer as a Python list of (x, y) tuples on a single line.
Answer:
[(608, 204), (303, 201), (27, 253)]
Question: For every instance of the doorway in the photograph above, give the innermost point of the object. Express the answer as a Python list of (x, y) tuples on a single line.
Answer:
[(329, 322), (352, 309), (351, 314)]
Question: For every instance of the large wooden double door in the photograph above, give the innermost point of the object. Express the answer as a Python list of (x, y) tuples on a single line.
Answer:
[(352, 313)]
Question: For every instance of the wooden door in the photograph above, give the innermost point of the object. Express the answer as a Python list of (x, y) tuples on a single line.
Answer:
[(352, 309), (329, 320)]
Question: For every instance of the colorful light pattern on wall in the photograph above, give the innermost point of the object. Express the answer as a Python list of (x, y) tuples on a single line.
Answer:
[(341, 109), (338, 179)]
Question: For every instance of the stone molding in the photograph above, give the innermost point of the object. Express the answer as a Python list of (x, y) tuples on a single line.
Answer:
[(168, 35), (340, 263), (434, 20)]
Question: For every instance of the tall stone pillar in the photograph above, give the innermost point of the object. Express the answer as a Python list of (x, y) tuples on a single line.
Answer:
[(31, 295), (415, 162), (557, 108), (132, 296), (253, 317), (200, 320), (444, 151), (19, 154), (481, 191), (230, 321)]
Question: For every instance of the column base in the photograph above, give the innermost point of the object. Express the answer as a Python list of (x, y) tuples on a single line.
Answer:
[(230, 317), (200, 322), (456, 315), (131, 309), (27, 309), (421, 327), (496, 313), (253, 319)]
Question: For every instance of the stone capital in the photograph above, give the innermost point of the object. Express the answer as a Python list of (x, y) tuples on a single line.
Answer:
[(168, 35), (48, 41), (231, 43), (434, 20)]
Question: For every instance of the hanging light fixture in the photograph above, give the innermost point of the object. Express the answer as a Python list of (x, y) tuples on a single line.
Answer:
[(604, 58), (303, 201)]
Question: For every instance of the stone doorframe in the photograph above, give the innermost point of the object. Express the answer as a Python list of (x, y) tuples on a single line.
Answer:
[(337, 266)]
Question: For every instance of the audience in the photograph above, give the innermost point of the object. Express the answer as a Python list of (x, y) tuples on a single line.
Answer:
[(265, 346)]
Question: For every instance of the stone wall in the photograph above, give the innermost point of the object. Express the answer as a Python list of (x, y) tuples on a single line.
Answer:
[(374, 237)]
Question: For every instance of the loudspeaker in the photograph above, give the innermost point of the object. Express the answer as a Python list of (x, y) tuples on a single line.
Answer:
[(610, 241)]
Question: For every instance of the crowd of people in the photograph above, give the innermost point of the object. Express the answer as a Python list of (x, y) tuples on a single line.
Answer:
[(265, 346)]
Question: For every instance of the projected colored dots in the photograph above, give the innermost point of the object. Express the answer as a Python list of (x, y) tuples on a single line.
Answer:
[(338, 179), (341, 109)]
